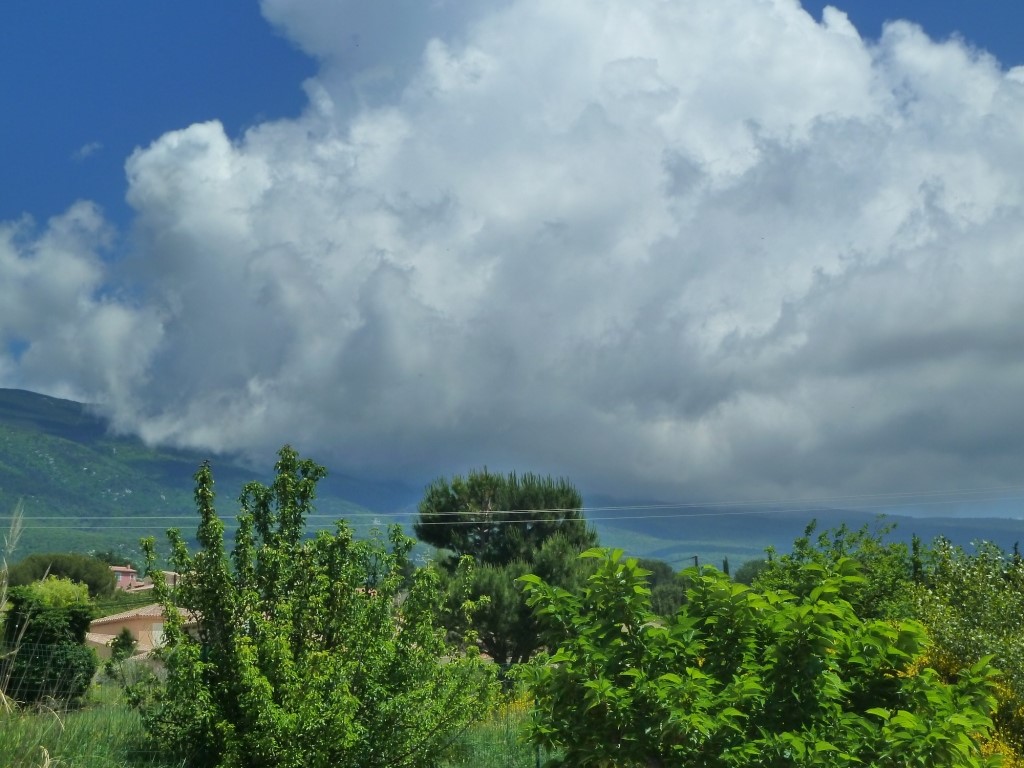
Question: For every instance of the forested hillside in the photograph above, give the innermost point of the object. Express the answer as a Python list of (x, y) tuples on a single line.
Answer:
[(84, 487)]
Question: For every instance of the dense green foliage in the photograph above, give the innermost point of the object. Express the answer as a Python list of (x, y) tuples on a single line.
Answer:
[(750, 570), (501, 622), (784, 674), (973, 606), (499, 519), (668, 588), (123, 645), (91, 571), (309, 652), (510, 525), (45, 657), (887, 565), (56, 592), (742, 677)]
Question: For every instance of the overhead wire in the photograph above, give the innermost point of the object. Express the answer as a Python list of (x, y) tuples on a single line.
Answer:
[(922, 497), (864, 502)]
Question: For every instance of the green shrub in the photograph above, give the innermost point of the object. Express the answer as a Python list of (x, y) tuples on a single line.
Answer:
[(44, 656), (309, 652), (888, 567), (744, 678), (83, 569), (972, 604), (44, 673), (510, 525)]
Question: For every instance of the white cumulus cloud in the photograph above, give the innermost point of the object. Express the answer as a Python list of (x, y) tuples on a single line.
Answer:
[(64, 327), (701, 249)]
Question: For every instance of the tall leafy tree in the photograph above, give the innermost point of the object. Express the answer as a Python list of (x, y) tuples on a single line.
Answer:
[(510, 525), (86, 569), (502, 623), (498, 519), (309, 651)]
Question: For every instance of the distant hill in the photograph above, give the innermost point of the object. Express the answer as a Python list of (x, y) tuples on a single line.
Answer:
[(741, 534), (85, 488)]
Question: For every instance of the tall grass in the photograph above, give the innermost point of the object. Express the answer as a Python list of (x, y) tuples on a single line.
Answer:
[(497, 741), (105, 733), (10, 544)]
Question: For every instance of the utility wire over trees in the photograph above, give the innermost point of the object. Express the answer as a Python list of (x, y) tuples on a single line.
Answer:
[(498, 519), (510, 525)]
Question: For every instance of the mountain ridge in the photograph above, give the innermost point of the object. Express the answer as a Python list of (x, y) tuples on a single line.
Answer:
[(86, 488), (83, 487)]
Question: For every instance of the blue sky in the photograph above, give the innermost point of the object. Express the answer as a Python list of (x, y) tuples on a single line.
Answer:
[(86, 84), (703, 250), (989, 24)]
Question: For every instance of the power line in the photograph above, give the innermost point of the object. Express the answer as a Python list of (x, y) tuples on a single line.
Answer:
[(878, 500), (28, 524), (726, 508)]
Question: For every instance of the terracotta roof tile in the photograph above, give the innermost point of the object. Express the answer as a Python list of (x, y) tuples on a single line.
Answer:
[(153, 609)]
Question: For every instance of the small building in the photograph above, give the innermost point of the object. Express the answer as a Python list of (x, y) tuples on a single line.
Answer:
[(125, 577), (146, 625)]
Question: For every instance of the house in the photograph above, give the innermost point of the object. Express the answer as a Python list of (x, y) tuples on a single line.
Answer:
[(127, 578), (146, 625)]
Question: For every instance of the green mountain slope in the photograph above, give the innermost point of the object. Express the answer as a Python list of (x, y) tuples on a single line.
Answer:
[(84, 488)]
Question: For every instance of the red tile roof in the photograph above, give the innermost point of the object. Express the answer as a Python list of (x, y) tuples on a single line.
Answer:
[(153, 609)]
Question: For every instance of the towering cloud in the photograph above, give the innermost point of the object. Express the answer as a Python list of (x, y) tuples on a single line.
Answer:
[(711, 248), (63, 328)]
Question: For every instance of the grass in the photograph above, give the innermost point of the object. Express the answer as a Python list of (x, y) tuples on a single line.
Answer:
[(104, 733), (496, 742), (10, 543)]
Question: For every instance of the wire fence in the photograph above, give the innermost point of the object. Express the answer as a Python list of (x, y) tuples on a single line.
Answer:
[(45, 673)]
